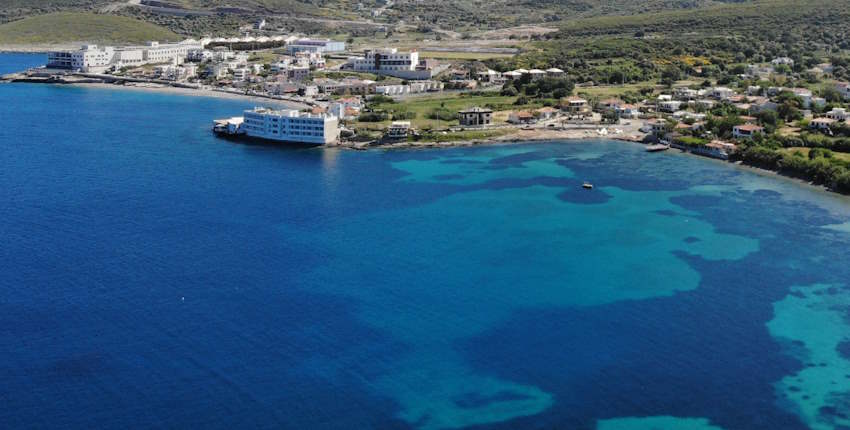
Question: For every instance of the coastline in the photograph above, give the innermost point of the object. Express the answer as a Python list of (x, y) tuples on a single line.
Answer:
[(574, 136), (166, 89), (180, 91)]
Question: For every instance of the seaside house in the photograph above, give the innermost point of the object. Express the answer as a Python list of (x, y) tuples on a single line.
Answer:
[(547, 112), (628, 111), (574, 105), (475, 117), (746, 131), (521, 117), (657, 126), (398, 130)]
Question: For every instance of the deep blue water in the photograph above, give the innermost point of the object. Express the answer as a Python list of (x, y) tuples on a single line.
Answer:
[(152, 275)]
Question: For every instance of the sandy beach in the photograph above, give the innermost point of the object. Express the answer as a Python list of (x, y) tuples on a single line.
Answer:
[(165, 89)]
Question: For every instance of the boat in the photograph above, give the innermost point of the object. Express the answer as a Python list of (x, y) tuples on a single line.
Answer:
[(657, 148), (587, 186)]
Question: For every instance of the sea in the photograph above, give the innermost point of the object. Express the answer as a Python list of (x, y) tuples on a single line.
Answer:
[(155, 276)]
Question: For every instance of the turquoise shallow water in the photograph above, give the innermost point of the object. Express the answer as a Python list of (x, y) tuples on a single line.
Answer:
[(155, 276)]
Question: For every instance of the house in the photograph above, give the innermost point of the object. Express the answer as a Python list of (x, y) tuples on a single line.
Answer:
[(574, 105), (823, 124), (628, 111), (746, 131), (683, 115), (547, 112), (475, 116), (838, 114), (715, 149), (511, 75), (705, 104), (684, 93), (844, 89), (657, 126), (488, 76), (536, 74), (609, 104), (521, 117), (241, 74), (782, 61), (346, 107), (669, 106), (826, 67), (721, 93), (762, 105), (298, 73), (805, 95), (554, 72), (398, 130)]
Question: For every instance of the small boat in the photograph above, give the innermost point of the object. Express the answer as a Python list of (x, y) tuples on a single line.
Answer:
[(587, 186), (657, 148)]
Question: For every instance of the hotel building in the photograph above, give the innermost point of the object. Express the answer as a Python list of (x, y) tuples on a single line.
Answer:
[(290, 126)]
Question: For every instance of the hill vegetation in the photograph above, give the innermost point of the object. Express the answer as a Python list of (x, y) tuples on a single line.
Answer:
[(715, 42), (62, 27)]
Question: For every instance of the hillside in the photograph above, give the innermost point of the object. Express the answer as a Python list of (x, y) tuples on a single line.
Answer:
[(67, 26), (716, 42)]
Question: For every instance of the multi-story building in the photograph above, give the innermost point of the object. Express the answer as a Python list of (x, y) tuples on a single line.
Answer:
[(388, 59), (475, 117), (315, 45), (290, 126), (128, 57), (155, 52), (89, 58)]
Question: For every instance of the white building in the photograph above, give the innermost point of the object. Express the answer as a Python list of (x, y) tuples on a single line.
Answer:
[(89, 58), (315, 45), (241, 74), (388, 59), (838, 114), (128, 57), (746, 131), (721, 93), (782, 60), (155, 52), (290, 126)]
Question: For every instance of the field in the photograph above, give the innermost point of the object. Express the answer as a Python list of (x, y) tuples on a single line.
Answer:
[(421, 106), (460, 55), (81, 27)]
